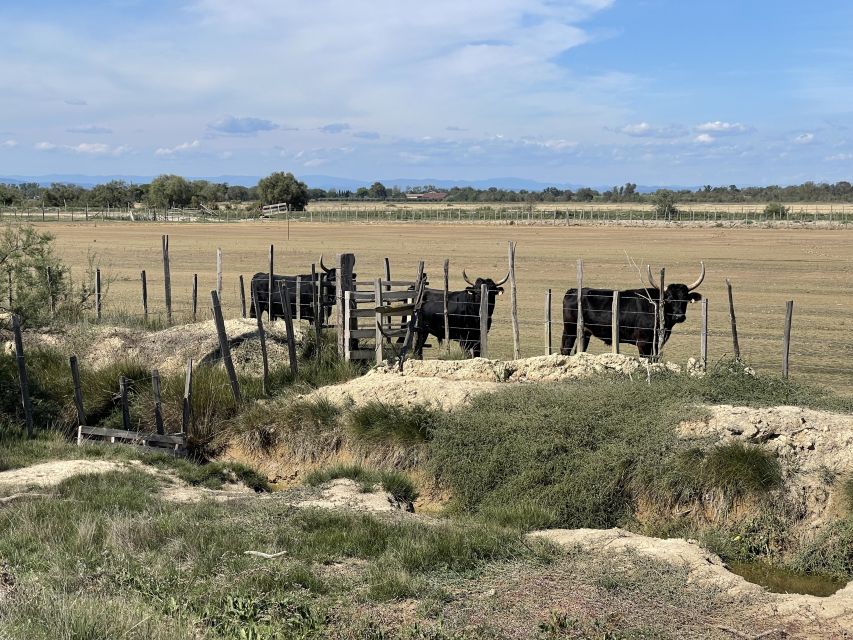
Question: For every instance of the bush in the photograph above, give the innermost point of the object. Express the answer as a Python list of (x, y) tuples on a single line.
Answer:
[(776, 210), (380, 423)]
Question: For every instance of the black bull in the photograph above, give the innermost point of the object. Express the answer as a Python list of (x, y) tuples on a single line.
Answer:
[(463, 311), (638, 315), (260, 295)]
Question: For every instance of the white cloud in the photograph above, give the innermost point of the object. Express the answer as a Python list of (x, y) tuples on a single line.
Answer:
[(45, 146), (840, 157), (85, 148), (234, 126), (9, 144), (721, 128), (804, 138), (181, 148), (704, 138), (646, 130)]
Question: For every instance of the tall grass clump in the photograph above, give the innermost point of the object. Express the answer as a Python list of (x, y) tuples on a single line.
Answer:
[(381, 423)]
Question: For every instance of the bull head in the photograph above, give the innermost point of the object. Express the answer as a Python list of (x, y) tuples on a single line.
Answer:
[(690, 287), (485, 281)]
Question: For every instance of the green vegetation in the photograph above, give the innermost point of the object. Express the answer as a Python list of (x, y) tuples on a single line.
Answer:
[(377, 422), (397, 484)]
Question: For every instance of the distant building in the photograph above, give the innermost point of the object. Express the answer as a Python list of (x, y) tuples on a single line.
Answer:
[(434, 196)]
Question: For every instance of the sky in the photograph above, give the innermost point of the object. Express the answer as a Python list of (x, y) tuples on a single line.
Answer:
[(602, 92)]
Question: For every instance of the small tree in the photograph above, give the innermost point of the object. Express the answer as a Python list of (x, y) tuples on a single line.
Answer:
[(378, 191), (169, 191), (280, 187), (665, 204), (776, 210)]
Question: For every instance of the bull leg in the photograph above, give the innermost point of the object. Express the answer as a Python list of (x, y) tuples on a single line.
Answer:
[(585, 341), (420, 341), (646, 349), (569, 336)]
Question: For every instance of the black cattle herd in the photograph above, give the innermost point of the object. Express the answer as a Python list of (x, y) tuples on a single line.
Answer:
[(638, 317)]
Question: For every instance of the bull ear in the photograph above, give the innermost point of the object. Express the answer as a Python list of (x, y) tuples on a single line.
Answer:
[(694, 297)]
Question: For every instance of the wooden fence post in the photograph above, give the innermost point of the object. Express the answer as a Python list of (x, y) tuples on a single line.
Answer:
[(390, 323), (344, 283), (380, 339), (446, 313), (225, 347), (144, 279), (346, 325), (23, 378), (614, 323), (125, 407), (516, 339), (242, 296), (735, 343), (548, 343), (158, 406), (186, 412), (51, 299), (298, 297), (484, 321), (786, 339), (703, 340), (661, 319), (284, 296), (579, 342), (219, 272), (194, 302), (78, 391), (269, 282), (317, 303), (262, 336), (98, 294), (9, 300), (167, 279)]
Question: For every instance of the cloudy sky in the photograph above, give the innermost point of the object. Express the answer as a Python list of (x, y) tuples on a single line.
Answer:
[(584, 91)]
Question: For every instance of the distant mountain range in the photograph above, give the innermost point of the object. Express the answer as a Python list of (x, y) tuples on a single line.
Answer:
[(334, 182)]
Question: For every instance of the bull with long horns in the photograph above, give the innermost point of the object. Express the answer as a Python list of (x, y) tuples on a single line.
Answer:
[(638, 314)]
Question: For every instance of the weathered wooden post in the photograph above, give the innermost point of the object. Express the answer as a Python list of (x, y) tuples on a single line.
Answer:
[(144, 279), (262, 336), (516, 339), (125, 407), (269, 282), (186, 413), (703, 339), (298, 297), (579, 342), (735, 344), (317, 303), (225, 347), (50, 298), (786, 339), (194, 301), (167, 279), (284, 296), (23, 378), (9, 291), (548, 343), (484, 321), (78, 391), (98, 294), (380, 339), (219, 272), (158, 405), (446, 293), (344, 283), (614, 323), (242, 296)]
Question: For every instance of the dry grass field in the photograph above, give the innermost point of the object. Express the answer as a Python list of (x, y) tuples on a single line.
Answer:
[(766, 266)]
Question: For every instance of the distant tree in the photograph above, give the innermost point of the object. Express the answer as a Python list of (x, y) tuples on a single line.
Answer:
[(237, 193), (362, 192), (777, 210), (114, 194), (60, 194), (9, 195), (280, 187), (378, 190), (169, 191), (665, 204), (585, 194)]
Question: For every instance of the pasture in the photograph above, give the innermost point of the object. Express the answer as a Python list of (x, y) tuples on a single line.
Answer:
[(766, 266)]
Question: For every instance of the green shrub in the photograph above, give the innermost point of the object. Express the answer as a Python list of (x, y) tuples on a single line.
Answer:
[(398, 485), (831, 552), (381, 423), (736, 469)]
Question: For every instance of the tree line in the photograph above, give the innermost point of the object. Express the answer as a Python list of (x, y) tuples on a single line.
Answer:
[(174, 191)]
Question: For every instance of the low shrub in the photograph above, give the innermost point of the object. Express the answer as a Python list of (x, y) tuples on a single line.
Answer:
[(381, 423)]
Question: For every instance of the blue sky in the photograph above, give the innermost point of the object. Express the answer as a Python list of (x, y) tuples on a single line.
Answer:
[(584, 91)]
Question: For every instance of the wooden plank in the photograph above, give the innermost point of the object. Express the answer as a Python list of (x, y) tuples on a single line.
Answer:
[(158, 406), (23, 378), (735, 343), (393, 296), (786, 338), (398, 283), (344, 283), (377, 330), (225, 347), (396, 310), (362, 354), (513, 299), (484, 321), (362, 296), (78, 390), (242, 296), (614, 323), (167, 278), (361, 334), (133, 435)]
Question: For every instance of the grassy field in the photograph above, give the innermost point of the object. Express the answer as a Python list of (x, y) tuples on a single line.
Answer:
[(766, 267)]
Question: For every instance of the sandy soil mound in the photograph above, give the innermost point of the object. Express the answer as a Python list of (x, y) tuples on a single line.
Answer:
[(168, 350), (706, 569), (815, 447), (344, 493), (448, 384)]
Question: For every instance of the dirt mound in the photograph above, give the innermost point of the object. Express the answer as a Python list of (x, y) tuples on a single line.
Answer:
[(344, 493), (448, 384), (814, 447), (169, 349), (707, 570)]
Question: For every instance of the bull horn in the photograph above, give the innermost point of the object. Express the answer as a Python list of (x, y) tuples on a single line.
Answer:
[(651, 277), (497, 284), (467, 279), (696, 284), (322, 266)]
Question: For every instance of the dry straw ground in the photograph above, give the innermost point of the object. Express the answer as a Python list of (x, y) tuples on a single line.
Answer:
[(766, 266)]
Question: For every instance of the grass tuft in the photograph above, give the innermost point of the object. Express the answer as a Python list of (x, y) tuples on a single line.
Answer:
[(381, 423)]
